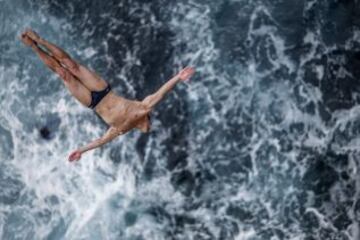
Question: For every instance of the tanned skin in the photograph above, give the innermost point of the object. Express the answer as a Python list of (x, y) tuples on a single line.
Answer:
[(121, 115)]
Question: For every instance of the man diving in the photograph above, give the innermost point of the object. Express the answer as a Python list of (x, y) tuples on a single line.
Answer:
[(120, 114)]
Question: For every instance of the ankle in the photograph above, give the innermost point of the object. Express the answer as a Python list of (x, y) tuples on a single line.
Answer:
[(39, 40), (34, 46)]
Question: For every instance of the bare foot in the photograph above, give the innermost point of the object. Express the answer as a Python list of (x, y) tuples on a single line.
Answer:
[(33, 35), (186, 73), (26, 40)]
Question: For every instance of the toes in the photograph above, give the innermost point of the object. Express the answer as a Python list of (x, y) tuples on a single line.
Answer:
[(27, 41), (23, 35), (31, 34), (26, 32)]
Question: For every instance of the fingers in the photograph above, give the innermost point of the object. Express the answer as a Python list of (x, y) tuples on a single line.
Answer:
[(188, 70), (189, 73), (74, 156), (186, 73), (71, 157)]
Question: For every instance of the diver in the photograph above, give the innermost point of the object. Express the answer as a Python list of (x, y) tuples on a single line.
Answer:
[(120, 114)]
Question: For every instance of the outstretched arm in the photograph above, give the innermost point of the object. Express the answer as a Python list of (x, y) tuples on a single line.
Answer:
[(151, 100), (107, 137)]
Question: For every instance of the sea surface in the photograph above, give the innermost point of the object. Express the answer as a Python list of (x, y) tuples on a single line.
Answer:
[(261, 144)]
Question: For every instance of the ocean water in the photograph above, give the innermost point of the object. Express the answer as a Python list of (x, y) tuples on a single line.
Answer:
[(261, 144)]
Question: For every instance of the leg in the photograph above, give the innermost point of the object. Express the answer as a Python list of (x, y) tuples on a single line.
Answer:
[(88, 78), (80, 92)]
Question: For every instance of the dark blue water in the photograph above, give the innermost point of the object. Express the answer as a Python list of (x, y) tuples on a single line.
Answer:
[(262, 144)]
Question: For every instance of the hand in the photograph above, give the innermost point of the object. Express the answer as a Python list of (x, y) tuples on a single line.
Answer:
[(186, 73), (75, 155)]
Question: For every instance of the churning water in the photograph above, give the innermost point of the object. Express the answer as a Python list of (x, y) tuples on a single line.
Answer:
[(262, 144)]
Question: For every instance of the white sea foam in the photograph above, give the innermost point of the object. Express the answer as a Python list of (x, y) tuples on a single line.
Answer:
[(92, 198)]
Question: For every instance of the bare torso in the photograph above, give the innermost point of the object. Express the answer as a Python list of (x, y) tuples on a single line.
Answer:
[(119, 113), (123, 114)]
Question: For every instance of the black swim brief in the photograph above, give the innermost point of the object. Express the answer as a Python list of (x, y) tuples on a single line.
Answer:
[(97, 96)]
